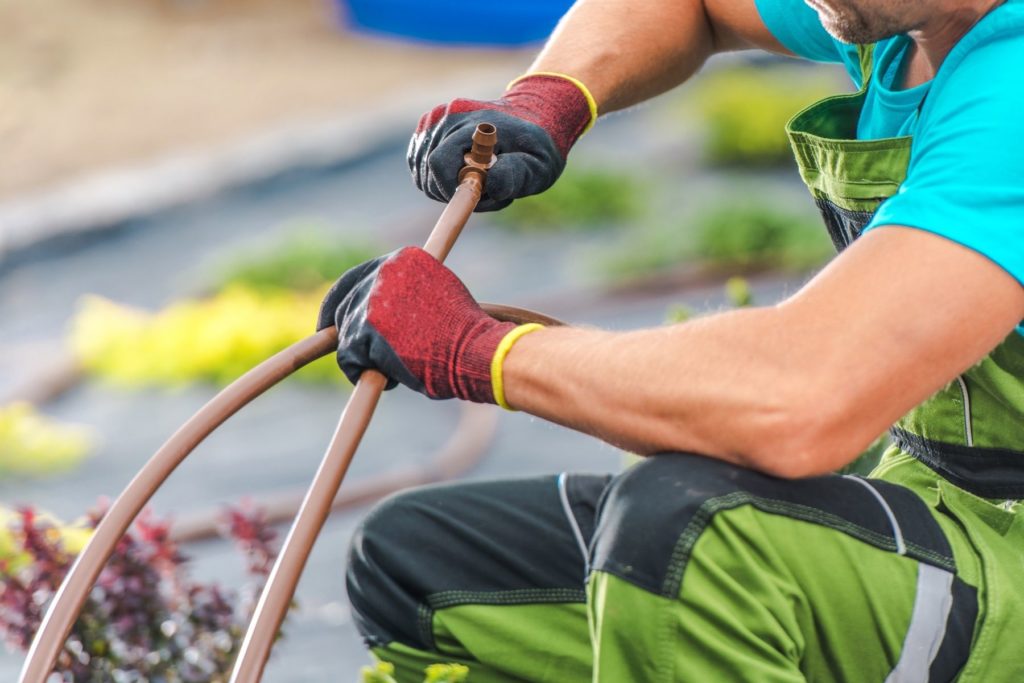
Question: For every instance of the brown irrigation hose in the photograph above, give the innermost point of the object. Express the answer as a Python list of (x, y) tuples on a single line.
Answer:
[(463, 450), (284, 577), (277, 594), (68, 602)]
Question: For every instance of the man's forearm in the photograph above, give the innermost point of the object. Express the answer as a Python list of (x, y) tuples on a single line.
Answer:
[(626, 52), (731, 386), (795, 389)]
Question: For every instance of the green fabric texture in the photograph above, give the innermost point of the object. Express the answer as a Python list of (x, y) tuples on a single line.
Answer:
[(988, 544), (759, 602), (503, 644), (853, 174), (858, 175), (987, 538), (995, 389)]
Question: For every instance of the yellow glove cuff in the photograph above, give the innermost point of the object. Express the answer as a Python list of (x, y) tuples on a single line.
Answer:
[(591, 102), (504, 346)]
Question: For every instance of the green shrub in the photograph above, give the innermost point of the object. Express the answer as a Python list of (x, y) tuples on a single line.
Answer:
[(265, 302), (752, 235), (643, 253), (215, 339), (744, 236), (745, 110), (738, 291), (303, 261), (580, 200), (678, 313)]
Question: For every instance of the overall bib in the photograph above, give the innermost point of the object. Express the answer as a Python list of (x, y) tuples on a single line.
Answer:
[(962, 450), (685, 568)]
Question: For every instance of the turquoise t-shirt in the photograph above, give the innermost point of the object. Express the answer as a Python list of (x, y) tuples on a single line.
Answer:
[(965, 181)]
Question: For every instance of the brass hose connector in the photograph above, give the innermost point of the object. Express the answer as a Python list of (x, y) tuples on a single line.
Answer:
[(479, 159)]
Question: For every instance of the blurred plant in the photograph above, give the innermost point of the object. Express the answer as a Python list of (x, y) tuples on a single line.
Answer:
[(145, 620), (737, 290), (752, 235), (215, 339), (678, 313), (581, 200), (265, 303), (747, 235), (305, 261), (12, 555), (33, 444), (380, 672), (446, 673), (745, 110), (383, 672)]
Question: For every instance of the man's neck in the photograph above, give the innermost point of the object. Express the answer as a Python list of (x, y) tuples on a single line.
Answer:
[(936, 37)]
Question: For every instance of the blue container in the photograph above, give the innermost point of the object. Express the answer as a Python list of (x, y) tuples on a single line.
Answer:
[(459, 22)]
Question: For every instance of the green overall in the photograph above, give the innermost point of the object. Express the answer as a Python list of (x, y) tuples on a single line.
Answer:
[(684, 568)]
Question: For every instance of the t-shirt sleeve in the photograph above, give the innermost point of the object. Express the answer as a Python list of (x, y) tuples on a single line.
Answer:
[(798, 28), (965, 181)]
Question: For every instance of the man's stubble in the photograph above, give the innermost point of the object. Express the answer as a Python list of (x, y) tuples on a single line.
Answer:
[(862, 22)]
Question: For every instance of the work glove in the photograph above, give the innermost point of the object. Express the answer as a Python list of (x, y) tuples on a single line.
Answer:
[(539, 118), (412, 319)]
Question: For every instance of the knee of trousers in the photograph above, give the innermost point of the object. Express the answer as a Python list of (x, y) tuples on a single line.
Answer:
[(653, 514), (383, 586), (490, 542)]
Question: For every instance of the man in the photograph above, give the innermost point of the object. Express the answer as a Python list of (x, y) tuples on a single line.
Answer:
[(748, 561)]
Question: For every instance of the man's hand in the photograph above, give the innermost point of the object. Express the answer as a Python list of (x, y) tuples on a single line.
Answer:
[(412, 319), (540, 117)]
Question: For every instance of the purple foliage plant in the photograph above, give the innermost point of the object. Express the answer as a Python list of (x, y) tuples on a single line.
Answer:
[(146, 619)]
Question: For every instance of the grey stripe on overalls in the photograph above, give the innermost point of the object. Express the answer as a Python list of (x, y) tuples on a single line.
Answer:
[(932, 605)]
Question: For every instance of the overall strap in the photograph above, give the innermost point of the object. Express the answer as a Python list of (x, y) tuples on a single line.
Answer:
[(866, 54)]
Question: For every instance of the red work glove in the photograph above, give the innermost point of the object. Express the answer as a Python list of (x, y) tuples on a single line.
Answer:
[(412, 319), (539, 118)]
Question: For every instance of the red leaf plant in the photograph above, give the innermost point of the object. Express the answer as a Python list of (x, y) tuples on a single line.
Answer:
[(146, 620)]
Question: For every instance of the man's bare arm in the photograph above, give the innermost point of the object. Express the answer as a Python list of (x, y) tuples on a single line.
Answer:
[(627, 51), (797, 389)]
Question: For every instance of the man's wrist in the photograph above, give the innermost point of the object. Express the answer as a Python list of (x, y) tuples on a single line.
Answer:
[(560, 104), (498, 360), (584, 90)]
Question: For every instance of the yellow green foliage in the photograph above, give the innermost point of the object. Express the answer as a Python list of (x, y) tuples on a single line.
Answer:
[(380, 672), (33, 444), (738, 291), (446, 673), (678, 313), (745, 110), (383, 672), (266, 301), (73, 538), (215, 339)]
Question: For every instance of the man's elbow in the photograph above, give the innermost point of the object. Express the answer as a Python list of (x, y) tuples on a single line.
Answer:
[(810, 440)]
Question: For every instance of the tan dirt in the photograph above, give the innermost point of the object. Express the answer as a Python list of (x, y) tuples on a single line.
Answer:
[(86, 84)]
